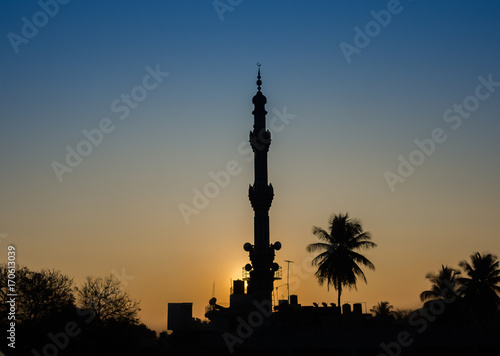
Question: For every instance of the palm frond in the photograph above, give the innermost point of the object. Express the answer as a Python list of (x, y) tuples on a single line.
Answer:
[(362, 259), (322, 234), (318, 246)]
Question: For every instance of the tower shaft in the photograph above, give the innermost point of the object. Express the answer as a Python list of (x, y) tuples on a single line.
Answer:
[(261, 195)]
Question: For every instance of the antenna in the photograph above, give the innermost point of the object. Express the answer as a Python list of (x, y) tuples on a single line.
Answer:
[(288, 279), (213, 290)]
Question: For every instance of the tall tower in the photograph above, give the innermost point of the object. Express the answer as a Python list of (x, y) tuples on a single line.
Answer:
[(261, 194)]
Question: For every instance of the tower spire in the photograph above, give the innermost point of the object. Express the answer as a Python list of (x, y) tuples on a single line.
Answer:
[(259, 82)]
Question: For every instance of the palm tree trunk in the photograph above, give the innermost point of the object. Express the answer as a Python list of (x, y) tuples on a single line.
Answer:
[(340, 308), (340, 292)]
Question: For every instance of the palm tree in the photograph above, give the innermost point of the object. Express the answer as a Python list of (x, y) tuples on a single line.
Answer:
[(444, 284), (383, 311), (403, 314), (480, 287), (338, 263)]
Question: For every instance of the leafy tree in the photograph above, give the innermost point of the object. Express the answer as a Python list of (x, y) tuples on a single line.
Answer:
[(444, 284), (109, 302), (339, 263), (40, 295)]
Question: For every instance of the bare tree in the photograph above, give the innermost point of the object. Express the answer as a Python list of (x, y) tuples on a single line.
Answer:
[(107, 300)]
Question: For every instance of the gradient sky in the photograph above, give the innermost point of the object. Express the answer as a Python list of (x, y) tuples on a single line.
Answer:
[(118, 210)]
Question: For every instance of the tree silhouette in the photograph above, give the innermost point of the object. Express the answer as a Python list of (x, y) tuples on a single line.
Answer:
[(444, 284), (480, 287), (108, 301), (338, 263), (383, 310), (40, 295), (402, 314)]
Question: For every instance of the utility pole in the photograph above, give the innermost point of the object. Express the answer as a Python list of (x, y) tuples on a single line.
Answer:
[(288, 279)]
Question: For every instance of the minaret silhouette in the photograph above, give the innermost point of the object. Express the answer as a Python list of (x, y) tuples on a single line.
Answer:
[(261, 194)]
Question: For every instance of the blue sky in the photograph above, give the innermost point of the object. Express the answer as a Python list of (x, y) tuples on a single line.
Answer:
[(351, 122)]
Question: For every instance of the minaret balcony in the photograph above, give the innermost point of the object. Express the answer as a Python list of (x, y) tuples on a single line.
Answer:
[(261, 196)]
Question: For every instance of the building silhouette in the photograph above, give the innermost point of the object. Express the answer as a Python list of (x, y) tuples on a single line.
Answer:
[(250, 325)]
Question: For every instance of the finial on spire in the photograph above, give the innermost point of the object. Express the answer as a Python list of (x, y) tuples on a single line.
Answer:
[(259, 82)]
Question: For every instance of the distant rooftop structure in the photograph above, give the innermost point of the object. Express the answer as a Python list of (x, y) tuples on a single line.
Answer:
[(180, 316)]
